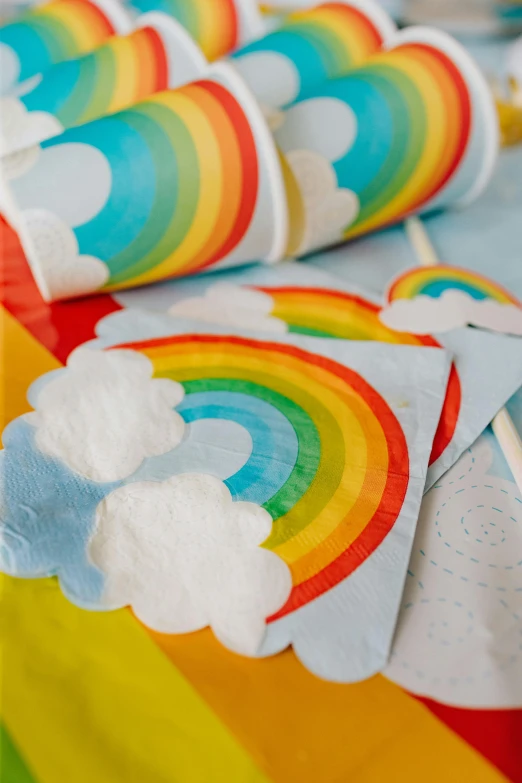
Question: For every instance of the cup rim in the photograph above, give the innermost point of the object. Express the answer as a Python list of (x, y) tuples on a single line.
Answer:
[(251, 22), (117, 15), (174, 36)]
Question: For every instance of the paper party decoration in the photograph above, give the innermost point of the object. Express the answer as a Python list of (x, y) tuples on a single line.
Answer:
[(157, 55), (313, 45), (53, 32), (441, 298), (218, 26), (179, 183), (414, 129), (298, 298), (459, 637), (327, 441)]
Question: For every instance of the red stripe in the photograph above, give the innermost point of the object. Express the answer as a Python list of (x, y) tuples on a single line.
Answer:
[(463, 123), (496, 734), (95, 10), (250, 169), (160, 59), (60, 326)]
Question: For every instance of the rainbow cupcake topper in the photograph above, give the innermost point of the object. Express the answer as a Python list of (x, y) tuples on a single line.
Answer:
[(312, 46), (441, 298), (217, 26), (157, 55), (177, 184), (54, 32), (412, 130)]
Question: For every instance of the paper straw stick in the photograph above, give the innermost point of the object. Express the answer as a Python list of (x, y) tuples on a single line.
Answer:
[(505, 431)]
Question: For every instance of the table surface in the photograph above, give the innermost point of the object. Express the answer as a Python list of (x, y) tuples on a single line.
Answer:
[(97, 697)]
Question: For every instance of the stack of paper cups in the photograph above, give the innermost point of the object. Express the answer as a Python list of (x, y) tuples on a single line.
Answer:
[(414, 129), (313, 45), (217, 26), (53, 32), (158, 55), (188, 180)]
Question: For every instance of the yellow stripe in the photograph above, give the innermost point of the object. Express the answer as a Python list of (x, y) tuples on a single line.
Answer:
[(210, 186), (437, 123), (125, 52), (23, 359), (84, 26), (89, 697), (86, 696), (326, 387)]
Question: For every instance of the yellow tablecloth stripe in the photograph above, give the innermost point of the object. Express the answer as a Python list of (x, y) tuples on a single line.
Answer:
[(90, 697)]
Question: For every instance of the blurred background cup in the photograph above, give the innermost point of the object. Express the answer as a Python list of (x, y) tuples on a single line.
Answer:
[(185, 181), (314, 44), (415, 129), (217, 26), (55, 31), (159, 54)]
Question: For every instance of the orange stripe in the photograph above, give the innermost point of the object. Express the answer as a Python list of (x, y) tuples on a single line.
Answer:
[(230, 155), (305, 730)]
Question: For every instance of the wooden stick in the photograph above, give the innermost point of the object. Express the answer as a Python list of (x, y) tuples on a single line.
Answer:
[(505, 431)]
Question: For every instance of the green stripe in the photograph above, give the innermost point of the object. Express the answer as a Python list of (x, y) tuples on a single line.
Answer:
[(177, 190), (103, 86), (77, 102), (13, 768), (334, 54), (408, 112), (186, 13), (59, 41), (311, 485)]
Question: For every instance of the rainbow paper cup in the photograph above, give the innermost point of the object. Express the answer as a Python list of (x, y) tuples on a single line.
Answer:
[(217, 26), (415, 129), (186, 181), (313, 45), (159, 54), (56, 31)]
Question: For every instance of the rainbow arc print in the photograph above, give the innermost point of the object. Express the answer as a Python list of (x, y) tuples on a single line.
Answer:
[(184, 184), (54, 32), (434, 281), (123, 71), (412, 116), (329, 460), (214, 24), (324, 312), (323, 42)]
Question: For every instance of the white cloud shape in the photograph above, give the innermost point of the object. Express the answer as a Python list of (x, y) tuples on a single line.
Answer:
[(452, 310), (324, 125), (272, 77), (231, 305), (73, 180), (9, 68), (20, 128), (185, 556), (53, 253), (105, 414), (328, 210)]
